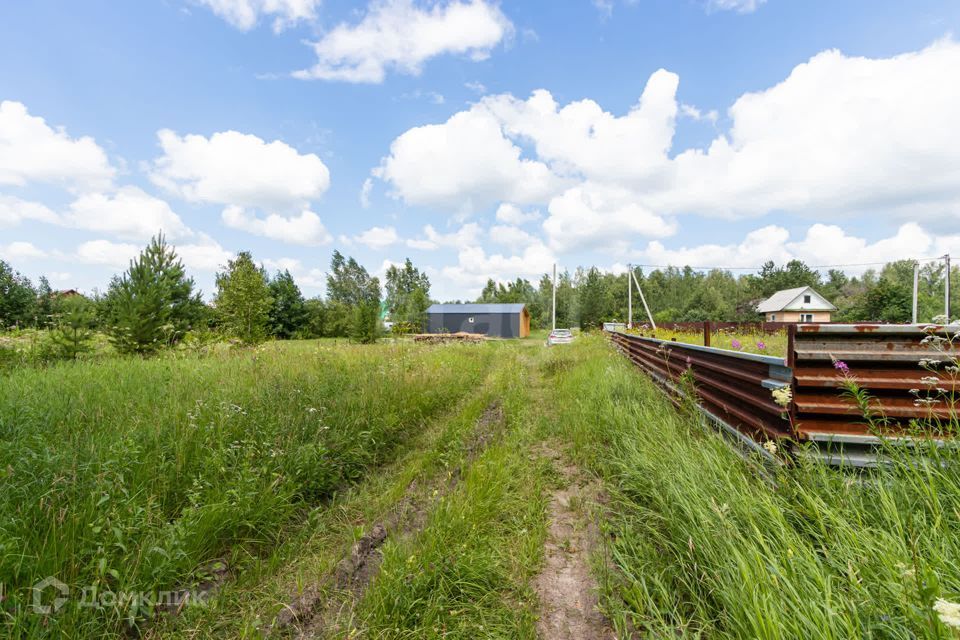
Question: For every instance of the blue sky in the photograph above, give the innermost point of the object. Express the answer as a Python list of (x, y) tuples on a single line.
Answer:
[(480, 139)]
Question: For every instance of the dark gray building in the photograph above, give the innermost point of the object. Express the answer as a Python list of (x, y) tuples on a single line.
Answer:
[(496, 320)]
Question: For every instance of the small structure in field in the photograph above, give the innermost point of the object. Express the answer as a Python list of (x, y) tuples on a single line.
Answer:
[(494, 320), (801, 304), (441, 338)]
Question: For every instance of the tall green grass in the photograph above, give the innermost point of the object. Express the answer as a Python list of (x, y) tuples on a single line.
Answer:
[(467, 573), (131, 475), (704, 547)]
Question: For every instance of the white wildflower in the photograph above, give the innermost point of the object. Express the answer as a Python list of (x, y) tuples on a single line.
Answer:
[(949, 612), (771, 447), (941, 319), (782, 396), (929, 380)]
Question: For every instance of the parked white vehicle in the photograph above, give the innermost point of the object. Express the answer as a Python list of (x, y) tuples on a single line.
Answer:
[(559, 336)]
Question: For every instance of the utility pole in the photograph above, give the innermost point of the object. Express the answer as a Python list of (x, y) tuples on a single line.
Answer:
[(629, 297), (946, 289), (916, 287), (643, 299), (554, 295)]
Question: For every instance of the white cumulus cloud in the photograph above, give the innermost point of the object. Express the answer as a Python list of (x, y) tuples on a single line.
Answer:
[(740, 6), (513, 238), (244, 14), (467, 235), (841, 136), (464, 164), (510, 213), (581, 138), (129, 213), (33, 151), (475, 266), (821, 245), (13, 211), (593, 216), (304, 229), (20, 250), (240, 169), (106, 252), (378, 237), (399, 35), (204, 255)]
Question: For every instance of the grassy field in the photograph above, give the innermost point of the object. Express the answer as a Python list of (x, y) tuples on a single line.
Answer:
[(770, 344), (132, 475), (402, 491)]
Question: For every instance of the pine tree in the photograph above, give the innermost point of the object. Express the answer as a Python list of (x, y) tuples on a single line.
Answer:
[(243, 299), (152, 304), (73, 324), (591, 299)]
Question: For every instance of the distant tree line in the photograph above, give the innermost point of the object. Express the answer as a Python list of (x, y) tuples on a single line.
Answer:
[(154, 304), (589, 297)]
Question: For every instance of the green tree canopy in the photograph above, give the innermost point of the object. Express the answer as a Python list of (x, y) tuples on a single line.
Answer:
[(243, 299), (288, 313), (407, 293), (17, 298), (151, 304), (591, 294)]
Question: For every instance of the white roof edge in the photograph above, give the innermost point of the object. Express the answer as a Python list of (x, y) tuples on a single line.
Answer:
[(784, 299)]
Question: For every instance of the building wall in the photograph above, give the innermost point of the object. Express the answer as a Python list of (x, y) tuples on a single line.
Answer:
[(794, 316), (498, 325)]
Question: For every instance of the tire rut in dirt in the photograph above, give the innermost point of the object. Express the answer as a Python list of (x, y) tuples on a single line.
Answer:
[(321, 609)]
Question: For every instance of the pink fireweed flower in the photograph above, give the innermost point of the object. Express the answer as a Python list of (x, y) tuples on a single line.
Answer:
[(736, 344), (761, 345), (841, 366)]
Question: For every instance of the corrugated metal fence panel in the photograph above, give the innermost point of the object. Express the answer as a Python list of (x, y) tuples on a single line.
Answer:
[(883, 359), (732, 385)]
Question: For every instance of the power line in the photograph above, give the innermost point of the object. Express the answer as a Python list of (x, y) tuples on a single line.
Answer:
[(813, 266)]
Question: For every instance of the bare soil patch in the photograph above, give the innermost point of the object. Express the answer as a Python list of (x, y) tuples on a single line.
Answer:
[(566, 586)]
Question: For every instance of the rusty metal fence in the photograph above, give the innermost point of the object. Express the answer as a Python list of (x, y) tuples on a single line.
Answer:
[(908, 371), (901, 367)]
